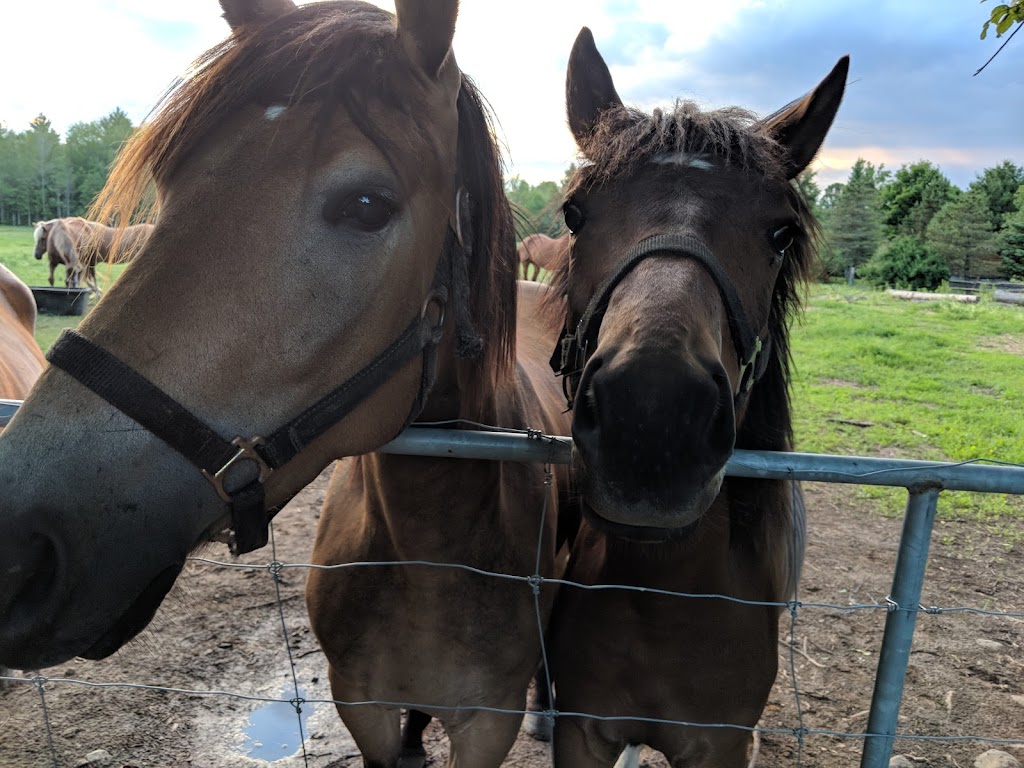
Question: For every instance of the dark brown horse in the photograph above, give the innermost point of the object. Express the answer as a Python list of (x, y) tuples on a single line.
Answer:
[(307, 246), (80, 245), (689, 243), (541, 252)]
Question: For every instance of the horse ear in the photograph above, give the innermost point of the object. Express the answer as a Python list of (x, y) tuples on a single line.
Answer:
[(589, 89), (801, 127), (426, 29), (243, 13)]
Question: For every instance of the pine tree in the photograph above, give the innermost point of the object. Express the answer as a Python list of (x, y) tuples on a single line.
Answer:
[(1012, 239), (961, 233), (853, 223)]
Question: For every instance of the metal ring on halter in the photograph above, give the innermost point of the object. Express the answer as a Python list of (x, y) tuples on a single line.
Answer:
[(438, 297)]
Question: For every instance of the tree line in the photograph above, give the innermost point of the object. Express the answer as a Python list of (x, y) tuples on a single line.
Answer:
[(910, 229), (44, 177), (914, 228)]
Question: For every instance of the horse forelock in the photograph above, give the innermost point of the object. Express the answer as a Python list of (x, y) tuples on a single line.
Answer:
[(341, 54)]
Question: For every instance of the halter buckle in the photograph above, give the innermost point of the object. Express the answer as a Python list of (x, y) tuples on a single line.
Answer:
[(246, 452)]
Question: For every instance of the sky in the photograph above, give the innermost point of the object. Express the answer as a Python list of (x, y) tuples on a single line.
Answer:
[(910, 93)]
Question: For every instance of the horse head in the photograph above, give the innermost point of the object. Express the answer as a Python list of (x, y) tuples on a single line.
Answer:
[(40, 235), (688, 241), (306, 174)]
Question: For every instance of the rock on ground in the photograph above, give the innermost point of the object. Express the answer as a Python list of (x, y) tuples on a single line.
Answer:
[(995, 758)]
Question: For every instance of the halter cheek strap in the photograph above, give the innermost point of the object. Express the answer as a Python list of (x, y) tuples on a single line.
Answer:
[(142, 401), (576, 346)]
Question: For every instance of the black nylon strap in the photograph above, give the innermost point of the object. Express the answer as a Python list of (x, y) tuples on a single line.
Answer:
[(575, 347), (140, 400), (684, 246), (288, 441)]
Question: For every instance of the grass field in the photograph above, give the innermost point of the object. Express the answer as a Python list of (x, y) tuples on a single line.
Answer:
[(874, 376), (16, 247)]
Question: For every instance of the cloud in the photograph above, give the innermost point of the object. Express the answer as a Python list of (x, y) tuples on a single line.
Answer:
[(910, 94)]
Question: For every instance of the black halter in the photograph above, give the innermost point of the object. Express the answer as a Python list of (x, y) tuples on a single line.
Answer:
[(576, 346), (143, 402)]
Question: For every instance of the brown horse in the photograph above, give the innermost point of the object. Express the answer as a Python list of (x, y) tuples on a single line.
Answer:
[(80, 245), (291, 293), (541, 252), (57, 243), (689, 243), (21, 360), (436, 636)]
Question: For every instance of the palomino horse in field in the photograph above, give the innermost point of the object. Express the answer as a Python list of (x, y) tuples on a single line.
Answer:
[(57, 242), (80, 245), (689, 245), (21, 360), (329, 139), (540, 252)]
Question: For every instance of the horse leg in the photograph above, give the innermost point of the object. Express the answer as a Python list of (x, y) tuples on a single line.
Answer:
[(483, 740), (413, 753), (90, 280), (536, 724), (577, 746), (376, 730)]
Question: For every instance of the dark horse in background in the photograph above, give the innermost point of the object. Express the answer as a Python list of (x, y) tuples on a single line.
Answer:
[(80, 245), (689, 245), (540, 252)]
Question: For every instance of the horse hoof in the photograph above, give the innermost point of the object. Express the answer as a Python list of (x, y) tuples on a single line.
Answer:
[(538, 726), (412, 758)]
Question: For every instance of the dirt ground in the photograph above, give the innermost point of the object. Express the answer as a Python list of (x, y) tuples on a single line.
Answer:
[(221, 631)]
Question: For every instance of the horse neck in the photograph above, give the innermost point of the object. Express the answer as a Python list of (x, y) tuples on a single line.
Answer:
[(404, 490)]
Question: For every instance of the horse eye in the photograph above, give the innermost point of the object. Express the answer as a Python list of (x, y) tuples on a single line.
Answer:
[(368, 212), (783, 237), (574, 218)]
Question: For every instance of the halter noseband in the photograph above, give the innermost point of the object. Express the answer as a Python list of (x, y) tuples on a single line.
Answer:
[(576, 346), (145, 403)]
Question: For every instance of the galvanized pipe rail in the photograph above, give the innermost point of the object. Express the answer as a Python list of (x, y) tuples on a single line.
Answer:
[(924, 480)]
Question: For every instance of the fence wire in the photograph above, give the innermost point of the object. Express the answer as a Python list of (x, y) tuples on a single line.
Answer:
[(535, 582)]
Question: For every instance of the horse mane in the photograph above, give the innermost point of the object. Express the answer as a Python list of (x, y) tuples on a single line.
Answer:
[(340, 53), (494, 264)]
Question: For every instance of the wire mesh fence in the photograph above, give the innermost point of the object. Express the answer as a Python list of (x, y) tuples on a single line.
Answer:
[(900, 608)]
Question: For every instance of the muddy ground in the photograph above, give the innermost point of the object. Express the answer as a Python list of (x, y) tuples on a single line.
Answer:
[(221, 631)]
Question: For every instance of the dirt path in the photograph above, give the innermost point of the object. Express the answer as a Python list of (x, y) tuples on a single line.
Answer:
[(221, 631)]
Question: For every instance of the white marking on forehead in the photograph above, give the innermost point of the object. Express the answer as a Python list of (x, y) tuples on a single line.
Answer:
[(38, 234), (685, 160), (274, 112)]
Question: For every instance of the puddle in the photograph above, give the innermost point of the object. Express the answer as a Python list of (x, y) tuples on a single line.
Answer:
[(273, 729)]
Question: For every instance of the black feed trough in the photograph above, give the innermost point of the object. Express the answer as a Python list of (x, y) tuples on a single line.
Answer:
[(61, 301)]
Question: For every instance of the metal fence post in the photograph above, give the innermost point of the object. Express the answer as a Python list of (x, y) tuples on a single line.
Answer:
[(899, 626)]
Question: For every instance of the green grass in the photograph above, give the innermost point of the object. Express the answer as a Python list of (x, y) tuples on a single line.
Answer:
[(931, 380), (16, 248), (938, 381)]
